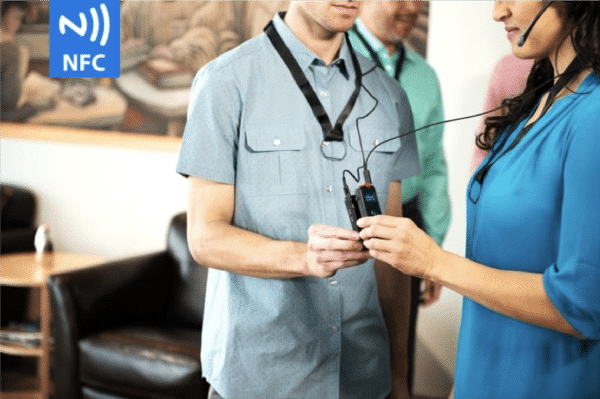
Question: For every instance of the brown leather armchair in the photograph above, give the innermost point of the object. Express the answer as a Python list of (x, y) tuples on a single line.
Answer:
[(131, 328)]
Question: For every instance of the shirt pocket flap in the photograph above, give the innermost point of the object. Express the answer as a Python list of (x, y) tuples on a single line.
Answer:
[(371, 138), (266, 138)]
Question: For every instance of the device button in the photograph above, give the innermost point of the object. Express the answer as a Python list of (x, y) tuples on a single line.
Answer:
[(375, 142), (277, 142), (329, 189)]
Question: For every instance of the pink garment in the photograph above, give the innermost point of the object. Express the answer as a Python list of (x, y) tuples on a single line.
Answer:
[(507, 80)]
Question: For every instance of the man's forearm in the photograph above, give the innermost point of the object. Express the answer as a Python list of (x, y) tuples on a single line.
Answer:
[(226, 247), (215, 242)]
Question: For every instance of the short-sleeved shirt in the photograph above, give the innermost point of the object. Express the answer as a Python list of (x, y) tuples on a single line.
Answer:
[(538, 211), (250, 126)]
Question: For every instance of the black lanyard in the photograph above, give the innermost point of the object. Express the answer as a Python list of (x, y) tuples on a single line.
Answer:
[(375, 57), (575, 66), (329, 133)]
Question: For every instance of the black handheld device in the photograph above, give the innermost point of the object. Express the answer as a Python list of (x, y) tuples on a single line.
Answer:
[(363, 203)]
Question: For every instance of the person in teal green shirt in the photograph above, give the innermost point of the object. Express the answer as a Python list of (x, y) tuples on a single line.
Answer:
[(378, 34), (420, 82)]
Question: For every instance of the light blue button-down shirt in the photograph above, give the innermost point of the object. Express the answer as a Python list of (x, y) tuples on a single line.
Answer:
[(249, 125)]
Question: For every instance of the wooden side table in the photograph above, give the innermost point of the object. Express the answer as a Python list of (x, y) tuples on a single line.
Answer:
[(29, 271)]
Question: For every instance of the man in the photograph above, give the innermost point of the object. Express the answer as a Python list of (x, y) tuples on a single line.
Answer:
[(292, 309), (378, 35)]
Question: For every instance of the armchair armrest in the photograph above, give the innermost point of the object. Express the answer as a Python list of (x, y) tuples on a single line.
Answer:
[(89, 300), (17, 240)]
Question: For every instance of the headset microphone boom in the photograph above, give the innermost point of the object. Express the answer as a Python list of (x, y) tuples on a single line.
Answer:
[(525, 34)]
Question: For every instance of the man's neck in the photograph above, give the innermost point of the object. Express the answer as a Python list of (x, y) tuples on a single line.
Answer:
[(391, 46), (326, 45)]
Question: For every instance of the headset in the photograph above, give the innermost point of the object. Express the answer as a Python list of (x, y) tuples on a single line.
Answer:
[(364, 202), (575, 8), (527, 32)]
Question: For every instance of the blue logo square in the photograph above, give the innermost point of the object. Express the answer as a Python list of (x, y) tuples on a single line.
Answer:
[(85, 38)]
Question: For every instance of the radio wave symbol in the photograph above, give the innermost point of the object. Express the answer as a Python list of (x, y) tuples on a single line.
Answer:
[(63, 22)]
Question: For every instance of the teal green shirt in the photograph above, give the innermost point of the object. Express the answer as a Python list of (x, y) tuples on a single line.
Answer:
[(421, 85)]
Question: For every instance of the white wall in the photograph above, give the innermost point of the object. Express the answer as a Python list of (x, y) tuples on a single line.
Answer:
[(117, 202), (464, 45), (98, 200)]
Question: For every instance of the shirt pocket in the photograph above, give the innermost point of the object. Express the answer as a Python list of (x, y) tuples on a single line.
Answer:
[(382, 158), (275, 163)]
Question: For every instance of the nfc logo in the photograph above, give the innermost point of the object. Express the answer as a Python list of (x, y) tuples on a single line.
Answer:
[(81, 45), (63, 22)]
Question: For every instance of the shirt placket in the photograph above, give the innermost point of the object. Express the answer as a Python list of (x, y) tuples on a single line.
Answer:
[(324, 83)]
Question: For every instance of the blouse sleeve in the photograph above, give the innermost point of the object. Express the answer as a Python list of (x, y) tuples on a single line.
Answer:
[(573, 282)]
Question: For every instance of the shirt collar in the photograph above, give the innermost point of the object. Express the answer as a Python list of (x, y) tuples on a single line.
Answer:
[(304, 57), (373, 41)]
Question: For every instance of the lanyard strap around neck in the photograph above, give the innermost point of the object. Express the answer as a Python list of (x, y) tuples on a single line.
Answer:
[(575, 66), (330, 133), (375, 57)]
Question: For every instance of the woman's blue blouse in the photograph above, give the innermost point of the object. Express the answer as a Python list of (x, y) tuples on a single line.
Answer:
[(538, 211)]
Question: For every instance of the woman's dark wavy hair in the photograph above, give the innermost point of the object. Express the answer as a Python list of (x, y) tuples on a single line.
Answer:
[(584, 30)]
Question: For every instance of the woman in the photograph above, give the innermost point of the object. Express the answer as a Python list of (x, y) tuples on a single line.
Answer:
[(531, 277)]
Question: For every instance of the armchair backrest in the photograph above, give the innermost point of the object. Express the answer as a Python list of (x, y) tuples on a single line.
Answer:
[(189, 285), (18, 207)]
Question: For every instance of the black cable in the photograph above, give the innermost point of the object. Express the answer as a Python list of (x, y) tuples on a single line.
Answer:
[(358, 131), (362, 151), (457, 119), (428, 126)]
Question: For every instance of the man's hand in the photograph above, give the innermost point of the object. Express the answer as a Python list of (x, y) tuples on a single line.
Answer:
[(332, 248)]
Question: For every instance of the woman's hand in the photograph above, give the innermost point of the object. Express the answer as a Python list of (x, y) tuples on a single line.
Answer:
[(401, 244)]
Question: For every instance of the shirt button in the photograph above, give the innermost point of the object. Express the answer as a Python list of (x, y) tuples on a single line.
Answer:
[(323, 94), (388, 67), (334, 328), (333, 282), (277, 142), (329, 189)]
